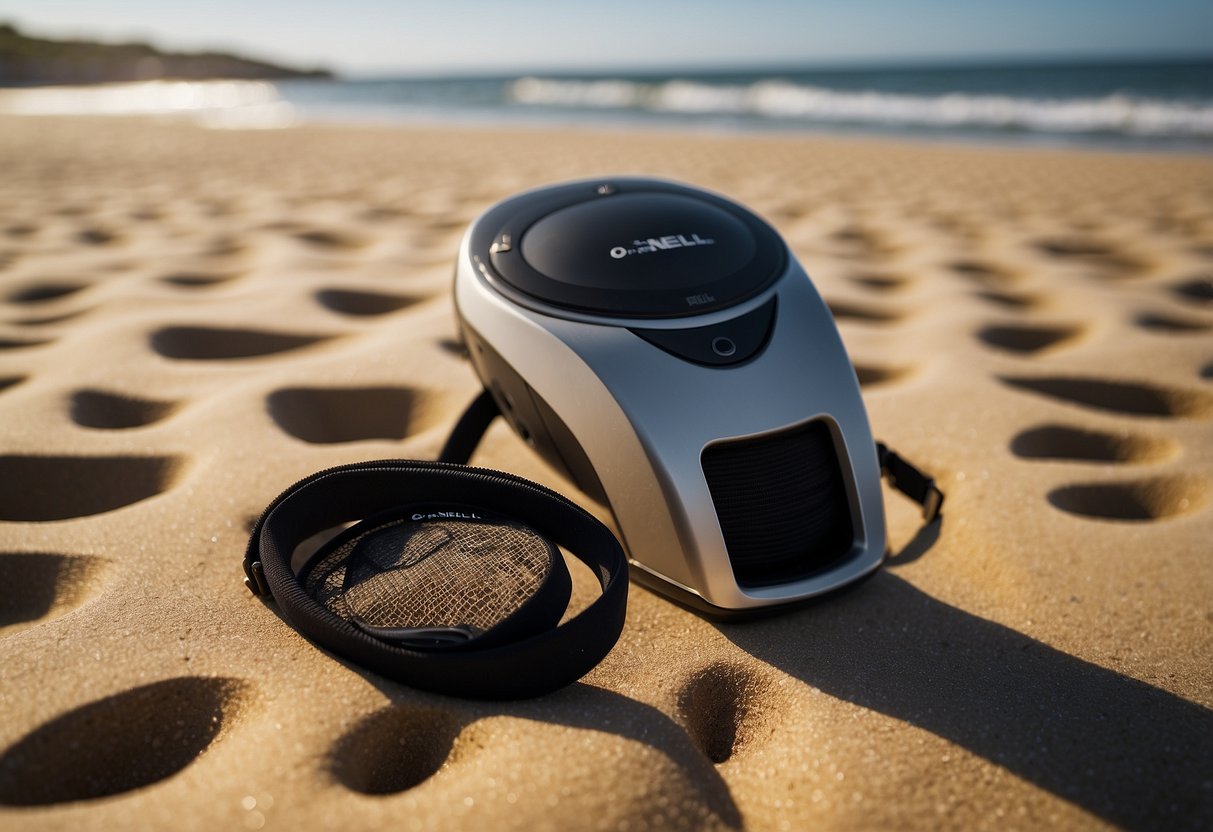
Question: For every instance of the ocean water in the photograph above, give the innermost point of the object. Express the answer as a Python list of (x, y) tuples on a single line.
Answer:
[(1138, 105), (1132, 105)]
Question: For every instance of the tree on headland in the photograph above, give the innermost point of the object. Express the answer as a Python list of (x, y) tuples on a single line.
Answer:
[(26, 60)]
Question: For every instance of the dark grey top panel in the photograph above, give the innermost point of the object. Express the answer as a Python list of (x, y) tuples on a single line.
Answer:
[(635, 248)]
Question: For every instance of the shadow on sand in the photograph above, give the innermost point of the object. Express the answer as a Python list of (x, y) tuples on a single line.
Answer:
[(441, 720), (369, 757), (1130, 753)]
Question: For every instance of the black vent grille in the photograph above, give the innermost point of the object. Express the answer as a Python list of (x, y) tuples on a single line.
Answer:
[(781, 503)]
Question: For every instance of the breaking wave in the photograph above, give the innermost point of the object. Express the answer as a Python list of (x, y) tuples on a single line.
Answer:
[(785, 101), (220, 104)]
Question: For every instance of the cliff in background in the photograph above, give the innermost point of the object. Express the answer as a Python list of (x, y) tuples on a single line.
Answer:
[(26, 60)]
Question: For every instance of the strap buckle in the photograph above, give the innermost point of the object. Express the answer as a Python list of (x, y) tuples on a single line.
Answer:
[(255, 578), (933, 503)]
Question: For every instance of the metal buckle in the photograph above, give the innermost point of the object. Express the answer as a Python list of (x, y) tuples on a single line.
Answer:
[(255, 578), (932, 503)]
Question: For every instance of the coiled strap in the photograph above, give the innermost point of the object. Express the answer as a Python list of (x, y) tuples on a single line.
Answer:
[(543, 661)]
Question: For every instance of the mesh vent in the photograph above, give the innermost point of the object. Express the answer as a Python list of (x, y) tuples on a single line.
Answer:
[(781, 503), (432, 574)]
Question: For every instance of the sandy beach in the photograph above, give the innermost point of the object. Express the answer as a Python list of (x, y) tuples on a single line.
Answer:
[(191, 320)]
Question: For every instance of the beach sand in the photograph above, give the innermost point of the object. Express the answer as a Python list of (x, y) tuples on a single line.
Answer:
[(191, 320)]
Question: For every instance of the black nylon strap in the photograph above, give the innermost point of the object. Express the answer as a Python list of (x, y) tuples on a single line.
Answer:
[(910, 481), (527, 667), (466, 434)]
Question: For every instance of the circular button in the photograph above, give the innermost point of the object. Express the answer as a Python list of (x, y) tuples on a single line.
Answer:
[(724, 347)]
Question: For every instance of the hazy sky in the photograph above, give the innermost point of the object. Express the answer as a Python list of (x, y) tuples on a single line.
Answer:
[(382, 36)]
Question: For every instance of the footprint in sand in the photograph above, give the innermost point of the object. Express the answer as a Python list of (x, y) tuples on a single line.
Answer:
[(1198, 290), (21, 230), (44, 488), (1061, 442), (199, 280), (332, 240), (1134, 500), (44, 292), (120, 743), (352, 414), (115, 411), (39, 586), (723, 709), (981, 272), (1171, 324), (1128, 398), (1105, 258), (382, 214), (651, 750), (224, 246), (863, 313), (21, 344), (1024, 339), (368, 758), (200, 343), (881, 281), (860, 241), (362, 304), (97, 236), (876, 375), (1013, 301), (47, 320)]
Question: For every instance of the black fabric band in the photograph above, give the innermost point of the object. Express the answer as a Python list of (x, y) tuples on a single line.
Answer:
[(910, 481), (470, 428), (529, 666)]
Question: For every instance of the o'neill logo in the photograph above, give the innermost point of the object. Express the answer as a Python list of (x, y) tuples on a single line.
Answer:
[(648, 246), (447, 515)]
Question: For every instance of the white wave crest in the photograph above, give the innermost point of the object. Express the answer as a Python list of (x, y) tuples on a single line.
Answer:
[(220, 104), (781, 100), (604, 94)]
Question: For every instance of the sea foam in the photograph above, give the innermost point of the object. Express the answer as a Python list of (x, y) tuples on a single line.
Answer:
[(784, 101)]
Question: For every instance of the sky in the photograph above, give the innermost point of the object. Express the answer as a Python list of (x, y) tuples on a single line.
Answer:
[(381, 37)]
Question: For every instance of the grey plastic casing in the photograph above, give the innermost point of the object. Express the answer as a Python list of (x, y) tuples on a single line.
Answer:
[(644, 417)]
